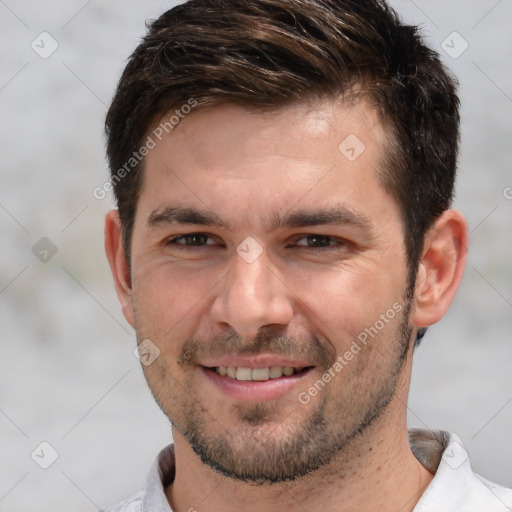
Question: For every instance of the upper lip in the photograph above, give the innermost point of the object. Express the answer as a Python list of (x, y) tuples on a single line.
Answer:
[(258, 361)]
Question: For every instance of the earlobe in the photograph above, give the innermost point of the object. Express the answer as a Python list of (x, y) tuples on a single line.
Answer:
[(118, 264), (441, 268)]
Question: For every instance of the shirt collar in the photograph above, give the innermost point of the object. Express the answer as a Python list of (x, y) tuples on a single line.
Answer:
[(440, 452), (161, 474)]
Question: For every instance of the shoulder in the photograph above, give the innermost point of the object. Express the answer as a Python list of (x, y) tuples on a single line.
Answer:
[(455, 487), (161, 474), (132, 504), (494, 497)]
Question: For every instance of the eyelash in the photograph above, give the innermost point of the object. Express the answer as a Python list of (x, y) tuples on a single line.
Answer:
[(338, 242)]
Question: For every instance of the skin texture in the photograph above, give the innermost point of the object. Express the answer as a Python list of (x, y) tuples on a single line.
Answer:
[(198, 300)]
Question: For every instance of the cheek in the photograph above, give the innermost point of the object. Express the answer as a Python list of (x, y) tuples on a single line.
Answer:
[(169, 299), (344, 302)]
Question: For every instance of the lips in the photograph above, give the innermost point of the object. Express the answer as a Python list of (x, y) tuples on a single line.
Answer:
[(262, 377)]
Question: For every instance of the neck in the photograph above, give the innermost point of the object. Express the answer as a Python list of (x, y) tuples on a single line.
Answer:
[(376, 471), (389, 479)]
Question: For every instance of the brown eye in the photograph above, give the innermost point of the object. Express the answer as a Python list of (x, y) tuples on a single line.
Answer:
[(318, 241), (191, 239)]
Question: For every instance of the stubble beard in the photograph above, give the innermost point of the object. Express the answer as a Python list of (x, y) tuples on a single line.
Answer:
[(252, 454)]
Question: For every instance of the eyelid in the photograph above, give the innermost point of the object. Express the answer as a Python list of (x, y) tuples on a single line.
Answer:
[(172, 239), (299, 236), (335, 242), (302, 237)]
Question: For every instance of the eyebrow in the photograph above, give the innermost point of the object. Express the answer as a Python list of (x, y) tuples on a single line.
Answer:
[(302, 218), (176, 215)]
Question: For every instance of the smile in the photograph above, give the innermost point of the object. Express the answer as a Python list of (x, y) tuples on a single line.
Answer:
[(257, 374), (255, 384)]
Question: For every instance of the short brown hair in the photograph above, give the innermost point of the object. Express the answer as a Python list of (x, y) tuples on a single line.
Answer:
[(267, 54)]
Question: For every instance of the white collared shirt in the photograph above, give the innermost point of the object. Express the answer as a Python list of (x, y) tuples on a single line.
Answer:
[(454, 488)]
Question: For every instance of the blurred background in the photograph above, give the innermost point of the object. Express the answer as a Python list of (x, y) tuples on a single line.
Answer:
[(68, 375)]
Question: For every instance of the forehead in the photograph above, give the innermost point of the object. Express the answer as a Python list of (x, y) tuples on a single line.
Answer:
[(306, 130), (229, 159)]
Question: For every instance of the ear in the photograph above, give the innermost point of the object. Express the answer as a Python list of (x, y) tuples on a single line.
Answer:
[(118, 264), (441, 268)]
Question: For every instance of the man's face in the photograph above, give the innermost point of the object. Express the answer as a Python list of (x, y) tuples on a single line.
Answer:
[(264, 242)]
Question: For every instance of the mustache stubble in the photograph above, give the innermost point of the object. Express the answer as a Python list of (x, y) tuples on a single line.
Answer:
[(320, 354)]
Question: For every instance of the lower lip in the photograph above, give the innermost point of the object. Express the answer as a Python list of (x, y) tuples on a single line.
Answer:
[(252, 390)]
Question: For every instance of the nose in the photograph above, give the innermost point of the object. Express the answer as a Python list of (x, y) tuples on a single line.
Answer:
[(252, 296)]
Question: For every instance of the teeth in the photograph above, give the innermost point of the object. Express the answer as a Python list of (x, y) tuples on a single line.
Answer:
[(260, 373), (241, 373), (276, 372)]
